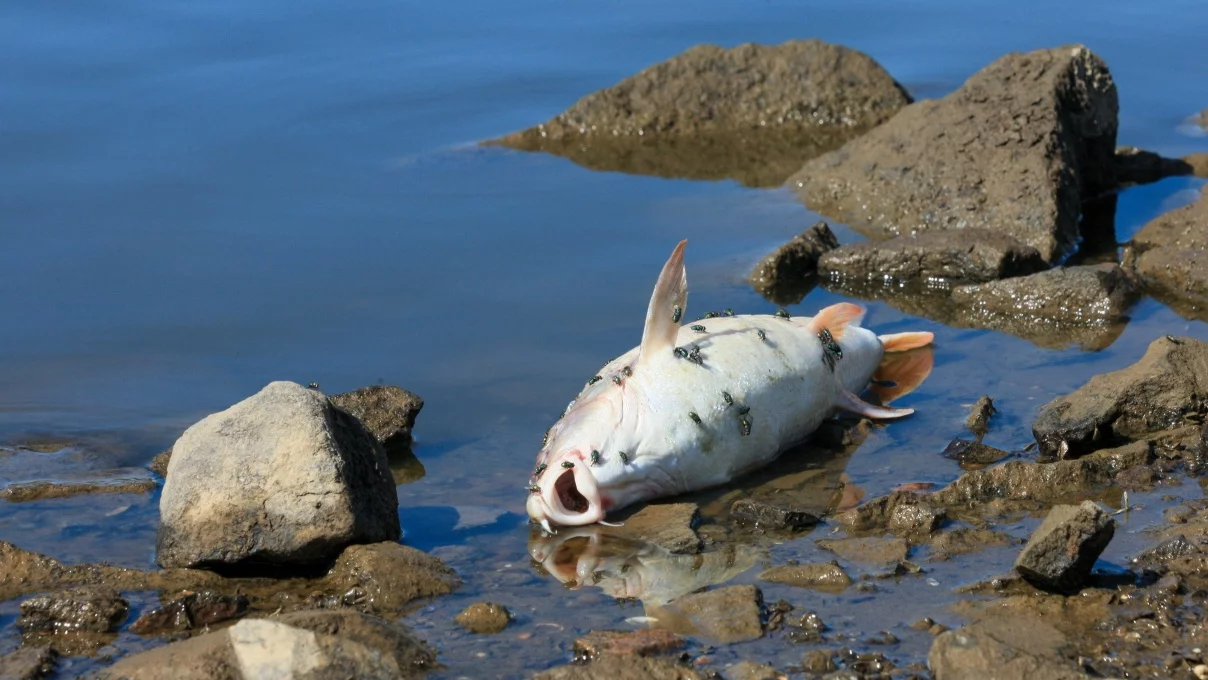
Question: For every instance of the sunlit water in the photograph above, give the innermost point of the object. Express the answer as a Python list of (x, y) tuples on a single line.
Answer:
[(198, 199)]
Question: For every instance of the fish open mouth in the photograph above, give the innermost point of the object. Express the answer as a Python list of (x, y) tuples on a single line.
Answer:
[(568, 494), (570, 499)]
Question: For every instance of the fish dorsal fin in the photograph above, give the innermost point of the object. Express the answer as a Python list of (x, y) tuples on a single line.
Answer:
[(836, 319), (662, 317)]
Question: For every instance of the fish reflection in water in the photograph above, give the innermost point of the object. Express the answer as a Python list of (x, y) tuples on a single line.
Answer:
[(627, 568)]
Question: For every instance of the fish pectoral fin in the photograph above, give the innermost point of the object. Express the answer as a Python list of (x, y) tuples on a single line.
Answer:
[(836, 319), (900, 373), (668, 304), (852, 403), (900, 342)]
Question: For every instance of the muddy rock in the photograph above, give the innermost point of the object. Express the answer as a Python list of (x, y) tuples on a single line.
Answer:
[(749, 670), (915, 519), (969, 255), (95, 610), (642, 642), (973, 454), (1170, 254), (753, 112), (621, 667), (484, 618), (28, 663), (281, 477), (1015, 151), (786, 275), (869, 550), (748, 512), (191, 611), (1138, 478), (159, 464), (1138, 166), (1170, 549), (968, 539), (902, 512), (1091, 294), (1155, 394), (1059, 555), (1024, 480), (978, 421), (388, 576), (725, 615), (36, 491), (388, 412), (818, 661), (820, 576), (669, 525), (1006, 649)]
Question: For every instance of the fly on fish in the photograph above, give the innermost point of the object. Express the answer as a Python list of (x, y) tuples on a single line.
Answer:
[(676, 425)]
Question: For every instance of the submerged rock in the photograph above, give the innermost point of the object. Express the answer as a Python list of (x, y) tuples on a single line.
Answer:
[(388, 412), (820, 576), (726, 615), (973, 453), (786, 275), (1138, 166), (621, 667), (159, 464), (978, 421), (1170, 254), (1007, 648), (484, 618), (753, 112), (968, 255), (1069, 295), (37, 491), (1059, 555), (283, 477), (969, 539), (752, 513), (28, 663), (749, 670), (84, 609), (870, 549), (642, 642), (1015, 151)]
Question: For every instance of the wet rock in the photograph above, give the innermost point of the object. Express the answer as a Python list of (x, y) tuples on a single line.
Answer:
[(915, 519), (1137, 478), (191, 611), (1170, 256), (841, 432), (818, 661), (621, 667), (1198, 163), (388, 576), (643, 642), (978, 421), (1138, 166), (1121, 458), (1171, 548), (1059, 555), (726, 615), (270, 649), (1155, 394), (388, 412), (820, 576), (1091, 294), (1015, 151), (94, 610), (752, 513), (875, 513), (282, 477), (484, 618), (973, 453), (749, 670), (28, 663), (786, 275), (37, 491), (412, 656), (1001, 584), (205, 657), (670, 525), (1022, 480), (969, 539), (869, 550), (968, 255), (1008, 648), (753, 112), (159, 464)]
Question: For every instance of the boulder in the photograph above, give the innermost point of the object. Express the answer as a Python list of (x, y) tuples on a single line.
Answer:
[(1083, 295), (786, 275), (1015, 150), (1059, 555), (1006, 648), (283, 477), (1170, 254), (968, 255)]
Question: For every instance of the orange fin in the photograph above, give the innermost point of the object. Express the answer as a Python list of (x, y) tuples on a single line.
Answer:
[(836, 319), (900, 374), (668, 304), (900, 342), (851, 402)]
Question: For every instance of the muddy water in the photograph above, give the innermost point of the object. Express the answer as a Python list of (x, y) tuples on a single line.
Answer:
[(199, 200)]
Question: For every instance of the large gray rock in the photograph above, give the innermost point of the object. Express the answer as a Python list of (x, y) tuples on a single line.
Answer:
[(1015, 150), (1005, 648), (752, 112), (965, 256), (1170, 254), (280, 477), (1062, 550)]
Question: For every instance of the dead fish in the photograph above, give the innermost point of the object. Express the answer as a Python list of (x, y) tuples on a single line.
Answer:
[(785, 389)]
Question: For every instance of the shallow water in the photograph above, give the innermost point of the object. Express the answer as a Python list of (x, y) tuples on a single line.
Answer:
[(198, 200)]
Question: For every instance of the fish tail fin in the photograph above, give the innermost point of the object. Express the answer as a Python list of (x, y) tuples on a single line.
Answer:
[(836, 319), (668, 304), (900, 342), (900, 374)]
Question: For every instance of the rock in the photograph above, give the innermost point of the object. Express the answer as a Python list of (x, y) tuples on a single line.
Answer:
[(967, 255), (725, 615), (1169, 256), (818, 661), (786, 275), (93, 610), (973, 453), (642, 642), (670, 525), (1138, 166), (749, 670), (28, 663), (621, 667), (1059, 555), (205, 657), (1007, 648), (191, 611), (1126, 457), (1091, 294), (1137, 478), (753, 113), (388, 576), (1170, 549), (871, 550), (915, 519), (876, 513), (1153, 395), (412, 656), (1014, 151), (37, 491), (1198, 162), (388, 412), (272, 650), (968, 539), (484, 618), (159, 464), (978, 421), (820, 576), (282, 477), (752, 513)]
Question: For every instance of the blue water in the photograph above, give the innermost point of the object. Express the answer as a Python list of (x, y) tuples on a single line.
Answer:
[(196, 199)]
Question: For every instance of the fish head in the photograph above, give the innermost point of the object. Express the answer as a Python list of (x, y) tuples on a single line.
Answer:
[(567, 492)]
